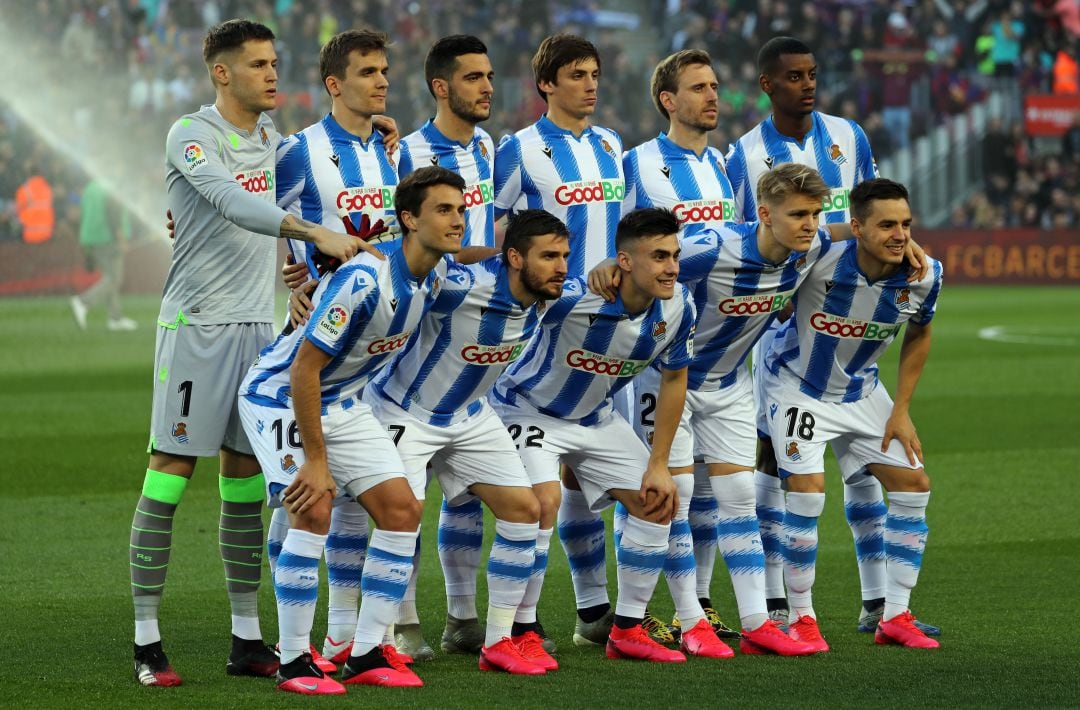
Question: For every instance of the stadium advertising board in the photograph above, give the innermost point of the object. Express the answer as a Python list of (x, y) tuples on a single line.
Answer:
[(1005, 256), (1049, 114)]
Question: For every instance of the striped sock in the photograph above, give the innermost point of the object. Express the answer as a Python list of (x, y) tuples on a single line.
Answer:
[(149, 548), (240, 539), (800, 550), (865, 510), (905, 542), (386, 575), (770, 515), (680, 568), (526, 612), (296, 585), (346, 547), (740, 543), (581, 532), (641, 553), (275, 536), (461, 535), (510, 566), (407, 613), (702, 517)]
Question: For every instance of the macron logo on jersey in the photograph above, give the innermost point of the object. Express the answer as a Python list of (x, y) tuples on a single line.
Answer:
[(493, 354), (754, 305), (586, 191), (838, 200), (256, 181), (698, 211), (389, 344), (604, 365), (355, 199), (481, 193), (852, 328)]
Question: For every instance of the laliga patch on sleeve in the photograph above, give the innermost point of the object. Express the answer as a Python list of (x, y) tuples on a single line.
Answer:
[(332, 325), (194, 157)]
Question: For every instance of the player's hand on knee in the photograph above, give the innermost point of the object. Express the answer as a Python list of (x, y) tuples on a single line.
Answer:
[(293, 274), (312, 482), (604, 280), (900, 427), (300, 306), (659, 496)]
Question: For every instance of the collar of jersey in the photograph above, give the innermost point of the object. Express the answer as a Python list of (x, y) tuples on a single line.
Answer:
[(430, 130), (770, 126), (399, 268), (666, 142), (618, 308), (334, 129), (502, 285), (247, 134), (546, 127), (899, 278)]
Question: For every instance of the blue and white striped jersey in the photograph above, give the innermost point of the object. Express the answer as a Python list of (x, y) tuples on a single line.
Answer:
[(660, 173), (323, 168), (474, 329), (587, 349), (579, 180), (474, 162), (364, 314), (835, 147), (737, 293), (843, 323)]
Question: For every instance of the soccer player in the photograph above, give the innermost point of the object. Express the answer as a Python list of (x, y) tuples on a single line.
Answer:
[(433, 401), (459, 76), (340, 165), (680, 171), (300, 409), (573, 169), (557, 401), (838, 149), (821, 385), (216, 314)]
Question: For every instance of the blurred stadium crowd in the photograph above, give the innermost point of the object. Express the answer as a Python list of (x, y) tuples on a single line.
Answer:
[(896, 67)]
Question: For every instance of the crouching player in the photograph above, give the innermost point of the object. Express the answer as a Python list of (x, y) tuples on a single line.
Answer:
[(313, 436), (557, 403), (433, 402), (821, 385)]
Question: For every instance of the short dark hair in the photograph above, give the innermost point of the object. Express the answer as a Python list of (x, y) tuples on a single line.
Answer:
[(412, 190), (524, 226), (555, 52), (441, 62), (647, 222), (230, 35), (768, 58), (334, 56), (666, 75), (867, 191)]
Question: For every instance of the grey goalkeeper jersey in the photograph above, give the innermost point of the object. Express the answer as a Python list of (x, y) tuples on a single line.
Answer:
[(220, 183)]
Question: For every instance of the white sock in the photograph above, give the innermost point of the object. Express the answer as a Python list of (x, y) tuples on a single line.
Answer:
[(296, 584), (770, 515), (800, 550), (386, 575), (739, 539), (864, 508), (641, 553), (526, 613), (905, 542), (702, 516), (581, 532), (510, 566), (461, 535), (346, 548), (680, 568)]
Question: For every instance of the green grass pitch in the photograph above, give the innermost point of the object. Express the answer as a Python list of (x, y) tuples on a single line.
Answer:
[(997, 420)]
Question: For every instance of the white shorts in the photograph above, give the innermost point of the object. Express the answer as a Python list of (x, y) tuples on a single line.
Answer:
[(647, 392), (605, 456), (722, 422), (476, 449), (800, 427), (359, 452), (759, 372)]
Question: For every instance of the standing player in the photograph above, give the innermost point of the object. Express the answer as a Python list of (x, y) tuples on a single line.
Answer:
[(822, 386), (459, 76), (337, 166), (838, 149), (216, 313), (572, 169), (313, 436), (558, 402), (680, 171), (433, 400)]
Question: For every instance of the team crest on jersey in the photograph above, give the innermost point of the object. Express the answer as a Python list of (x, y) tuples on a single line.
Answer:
[(483, 151), (607, 147), (179, 432), (800, 263), (666, 170), (547, 151), (540, 307), (194, 158), (390, 159), (769, 162), (903, 298), (265, 138), (288, 464), (836, 155), (333, 323), (649, 437), (690, 341), (436, 286), (659, 330), (792, 451)]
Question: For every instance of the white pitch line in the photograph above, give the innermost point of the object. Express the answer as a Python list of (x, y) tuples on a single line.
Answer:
[(999, 334)]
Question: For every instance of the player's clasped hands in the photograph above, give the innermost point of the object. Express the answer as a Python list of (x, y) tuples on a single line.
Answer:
[(312, 481), (659, 496)]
